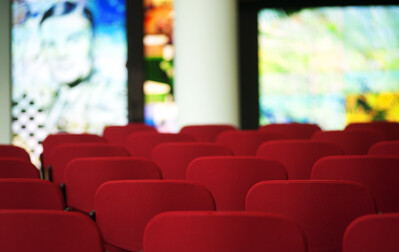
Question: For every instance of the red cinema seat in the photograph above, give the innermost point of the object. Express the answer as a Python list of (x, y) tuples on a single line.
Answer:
[(206, 132), (245, 142), (83, 176), (64, 153), (17, 168), (22, 193), (174, 158), (123, 208), (292, 130), (389, 129), (13, 151), (373, 232), (298, 156), (117, 134), (385, 148), (53, 140), (201, 231), (141, 144), (352, 142), (229, 178), (47, 231), (322, 209), (379, 174)]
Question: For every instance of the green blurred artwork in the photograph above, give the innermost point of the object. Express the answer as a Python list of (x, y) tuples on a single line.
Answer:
[(313, 60)]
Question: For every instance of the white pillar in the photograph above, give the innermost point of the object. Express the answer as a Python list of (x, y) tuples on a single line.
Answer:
[(5, 72), (206, 64)]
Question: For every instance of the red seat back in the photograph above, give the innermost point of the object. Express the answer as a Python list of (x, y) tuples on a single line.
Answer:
[(245, 142), (352, 142), (379, 174), (174, 158), (292, 130), (373, 232), (230, 178), (141, 144), (298, 156), (222, 231), (13, 151), (53, 140), (117, 134), (322, 209), (389, 129), (21, 193), (206, 132), (123, 208), (385, 148), (64, 153), (17, 168), (47, 231), (83, 176)]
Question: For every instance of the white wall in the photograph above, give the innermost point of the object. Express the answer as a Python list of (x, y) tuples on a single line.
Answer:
[(5, 71), (206, 61)]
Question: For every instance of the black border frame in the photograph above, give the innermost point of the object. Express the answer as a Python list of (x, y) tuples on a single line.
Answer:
[(135, 60)]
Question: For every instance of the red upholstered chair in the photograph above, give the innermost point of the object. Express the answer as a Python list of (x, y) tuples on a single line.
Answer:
[(322, 209), (13, 151), (245, 142), (206, 132), (373, 232), (292, 130), (385, 148), (47, 231), (123, 208), (389, 129), (17, 168), (201, 231), (379, 174), (298, 156), (174, 158), (63, 154), (53, 140), (21, 193), (353, 142), (230, 178), (117, 134), (83, 176), (141, 144)]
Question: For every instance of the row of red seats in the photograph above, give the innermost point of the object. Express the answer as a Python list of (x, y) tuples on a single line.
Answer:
[(194, 231), (209, 133), (298, 156), (288, 152), (238, 142), (320, 211), (227, 177), (355, 139)]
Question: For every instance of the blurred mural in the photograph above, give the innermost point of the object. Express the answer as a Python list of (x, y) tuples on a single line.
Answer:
[(160, 109), (68, 68), (329, 65)]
